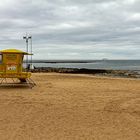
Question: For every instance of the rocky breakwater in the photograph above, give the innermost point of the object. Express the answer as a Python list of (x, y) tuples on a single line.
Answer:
[(102, 72)]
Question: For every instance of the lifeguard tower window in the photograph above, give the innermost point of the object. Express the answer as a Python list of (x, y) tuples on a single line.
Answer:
[(0, 58)]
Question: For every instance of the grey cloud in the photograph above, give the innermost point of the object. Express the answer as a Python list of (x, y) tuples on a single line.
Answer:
[(64, 28)]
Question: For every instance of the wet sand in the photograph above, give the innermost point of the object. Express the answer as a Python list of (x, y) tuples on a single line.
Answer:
[(71, 107)]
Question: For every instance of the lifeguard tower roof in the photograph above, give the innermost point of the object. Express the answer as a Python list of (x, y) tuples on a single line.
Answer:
[(14, 51)]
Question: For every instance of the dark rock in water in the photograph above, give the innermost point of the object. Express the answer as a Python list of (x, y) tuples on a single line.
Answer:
[(114, 73)]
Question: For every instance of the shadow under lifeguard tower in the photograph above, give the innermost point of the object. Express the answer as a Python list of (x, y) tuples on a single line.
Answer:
[(11, 67)]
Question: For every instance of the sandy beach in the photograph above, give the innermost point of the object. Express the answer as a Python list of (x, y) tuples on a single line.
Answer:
[(71, 107)]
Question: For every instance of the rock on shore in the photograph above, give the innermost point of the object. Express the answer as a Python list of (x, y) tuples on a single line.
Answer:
[(103, 72)]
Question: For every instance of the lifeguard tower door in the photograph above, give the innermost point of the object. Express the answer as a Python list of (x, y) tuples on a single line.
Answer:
[(12, 63)]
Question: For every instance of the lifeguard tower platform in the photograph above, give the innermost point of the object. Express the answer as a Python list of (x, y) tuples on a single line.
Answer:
[(11, 67)]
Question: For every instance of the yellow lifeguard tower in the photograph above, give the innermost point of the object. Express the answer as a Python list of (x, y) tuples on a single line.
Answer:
[(11, 66)]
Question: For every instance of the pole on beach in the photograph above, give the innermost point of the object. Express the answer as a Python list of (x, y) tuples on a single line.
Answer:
[(31, 53), (27, 50)]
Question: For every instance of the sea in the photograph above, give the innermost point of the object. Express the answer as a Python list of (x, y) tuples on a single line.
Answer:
[(96, 64)]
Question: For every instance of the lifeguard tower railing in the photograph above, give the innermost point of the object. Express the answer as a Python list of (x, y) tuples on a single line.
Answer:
[(11, 66)]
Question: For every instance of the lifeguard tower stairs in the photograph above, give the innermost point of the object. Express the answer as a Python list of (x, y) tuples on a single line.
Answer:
[(11, 67)]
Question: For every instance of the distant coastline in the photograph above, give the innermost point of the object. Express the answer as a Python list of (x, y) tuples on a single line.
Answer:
[(63, 61), (77, 61)]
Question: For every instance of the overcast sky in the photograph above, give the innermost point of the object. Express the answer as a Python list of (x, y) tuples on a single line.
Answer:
[(73, 29)]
